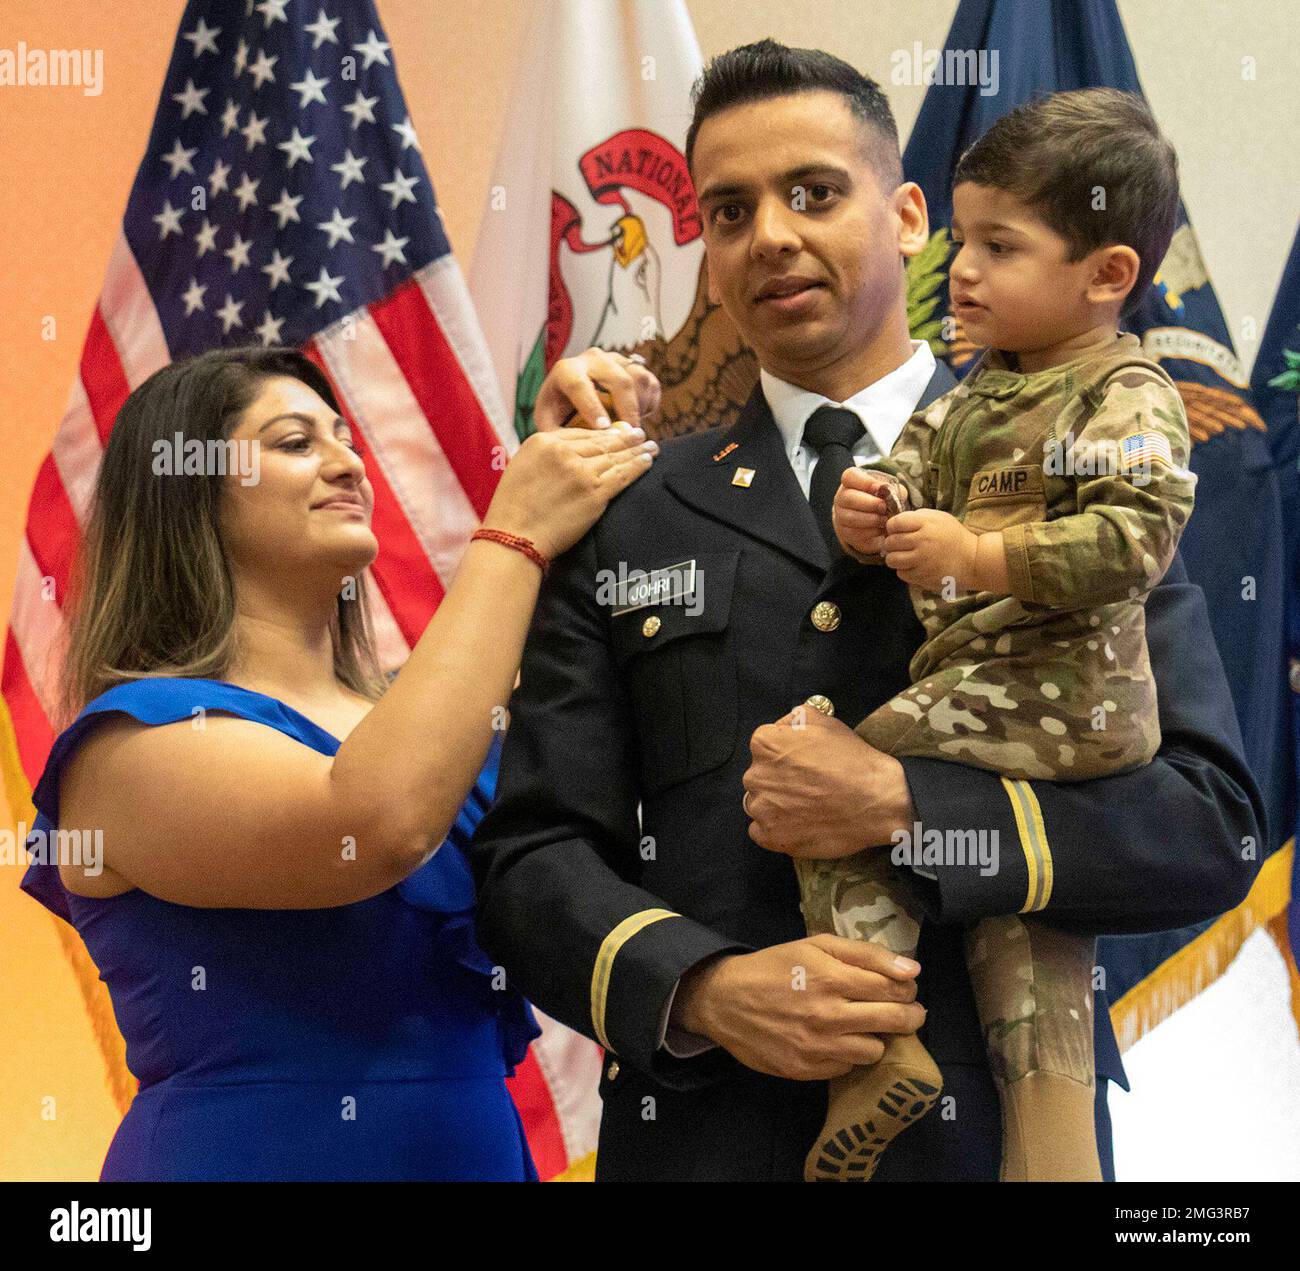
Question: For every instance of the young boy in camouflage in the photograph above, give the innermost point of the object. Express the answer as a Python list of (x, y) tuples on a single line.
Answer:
[(1045, 495)]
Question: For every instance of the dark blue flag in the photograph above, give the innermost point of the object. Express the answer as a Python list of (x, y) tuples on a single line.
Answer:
[(999, 54), (1275, 386)]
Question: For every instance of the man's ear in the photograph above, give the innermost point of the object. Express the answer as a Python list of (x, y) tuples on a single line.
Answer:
[(1114, 271), (715, 297), (913, 218)]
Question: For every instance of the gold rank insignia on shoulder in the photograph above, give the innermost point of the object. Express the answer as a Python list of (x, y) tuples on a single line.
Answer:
[(725, 451), (743, 477)]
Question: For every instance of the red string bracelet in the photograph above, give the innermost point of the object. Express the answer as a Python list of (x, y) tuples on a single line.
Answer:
[(515, 541)]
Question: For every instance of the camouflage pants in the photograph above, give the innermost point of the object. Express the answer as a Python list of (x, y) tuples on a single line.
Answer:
[(1028, 703), (1032, 984)]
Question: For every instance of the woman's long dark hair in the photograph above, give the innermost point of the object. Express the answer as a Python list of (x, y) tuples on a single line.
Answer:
[(152, 591)]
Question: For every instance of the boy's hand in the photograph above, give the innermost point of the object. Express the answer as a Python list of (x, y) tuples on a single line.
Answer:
[(927, 548), (865, 500)]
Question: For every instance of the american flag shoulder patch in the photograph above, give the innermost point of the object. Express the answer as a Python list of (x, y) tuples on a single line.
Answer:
[(1139, 450)]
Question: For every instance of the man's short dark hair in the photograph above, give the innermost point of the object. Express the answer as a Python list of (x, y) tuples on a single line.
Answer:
[(756, 72), (1094, 165)]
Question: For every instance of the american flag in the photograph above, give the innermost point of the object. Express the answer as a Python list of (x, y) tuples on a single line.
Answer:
[(283, 199), (1138, 450)]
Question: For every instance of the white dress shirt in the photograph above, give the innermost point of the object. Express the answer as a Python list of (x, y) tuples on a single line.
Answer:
[(884, 407)]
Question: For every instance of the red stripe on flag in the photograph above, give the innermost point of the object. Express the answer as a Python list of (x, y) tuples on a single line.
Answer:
[(52, 530), (439, 384), (392, 571), (102, 374), (402, 571), (532, 1098), (31, 729)]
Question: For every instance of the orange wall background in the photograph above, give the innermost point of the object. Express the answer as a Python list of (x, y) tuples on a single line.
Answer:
[(66, 166)]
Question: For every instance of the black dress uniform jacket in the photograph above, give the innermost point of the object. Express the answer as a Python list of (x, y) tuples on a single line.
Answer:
[(616, 855)]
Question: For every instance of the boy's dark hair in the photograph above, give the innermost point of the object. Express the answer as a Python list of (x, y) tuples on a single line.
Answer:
[(755, 72), (1055, 153)]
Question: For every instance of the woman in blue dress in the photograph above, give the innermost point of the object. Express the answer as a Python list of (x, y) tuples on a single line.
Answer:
[(262, 838)]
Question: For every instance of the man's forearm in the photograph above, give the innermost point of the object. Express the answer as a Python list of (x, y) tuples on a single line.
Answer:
[(1161, 847), (688, 1014)]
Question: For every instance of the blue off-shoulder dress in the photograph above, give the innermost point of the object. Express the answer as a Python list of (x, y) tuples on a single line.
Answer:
[(368, 1041)]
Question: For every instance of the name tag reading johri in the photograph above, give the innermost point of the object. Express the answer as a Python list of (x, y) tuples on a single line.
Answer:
[(634, 589)]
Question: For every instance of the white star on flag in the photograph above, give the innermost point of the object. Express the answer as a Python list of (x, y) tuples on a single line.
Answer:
[(373, 49), (203, 38), (229, 313), (218, 178), (272, 11), (297, 147), (400, 188), (269, 329), (247, 192), (324, 288), (238, 253), (349, 169), (406, 130), (362, 109), (168, 220), (277, 270), (206, 238), (179, 160), (193, 296), (309, 89), (391, 248), (254, 131), (191, 99), (322, 30), (261, 69), (286, 208), (338, 226)]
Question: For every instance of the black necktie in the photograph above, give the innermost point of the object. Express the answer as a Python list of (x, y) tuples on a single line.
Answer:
[(832, 432)]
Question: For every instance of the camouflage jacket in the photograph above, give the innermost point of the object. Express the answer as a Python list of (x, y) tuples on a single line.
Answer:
[(1083, 468)]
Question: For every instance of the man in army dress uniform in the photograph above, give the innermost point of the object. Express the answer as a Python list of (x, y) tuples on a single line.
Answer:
[(623, 884)]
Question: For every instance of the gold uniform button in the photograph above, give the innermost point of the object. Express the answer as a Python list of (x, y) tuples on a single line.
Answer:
[(651, 626), (611, 1073), (820, 703), (826, 615)]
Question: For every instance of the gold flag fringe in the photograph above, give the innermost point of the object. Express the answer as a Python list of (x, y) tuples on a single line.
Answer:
[(94, 993), (1200, 962), (1277, 928), (99, 1007), (583, 1170)]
